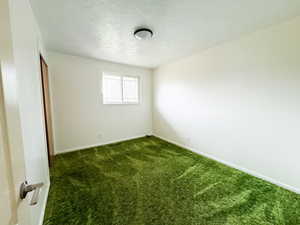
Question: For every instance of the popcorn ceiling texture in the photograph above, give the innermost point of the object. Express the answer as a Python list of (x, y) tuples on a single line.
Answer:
[(150, 181), (103, 29)]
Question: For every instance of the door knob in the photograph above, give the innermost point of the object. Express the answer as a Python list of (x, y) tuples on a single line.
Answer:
[(26, 188)]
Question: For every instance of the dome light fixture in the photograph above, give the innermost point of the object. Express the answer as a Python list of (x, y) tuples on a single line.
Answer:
[(143, 34)]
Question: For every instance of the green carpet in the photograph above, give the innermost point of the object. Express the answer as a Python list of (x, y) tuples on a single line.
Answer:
[(148, 181)]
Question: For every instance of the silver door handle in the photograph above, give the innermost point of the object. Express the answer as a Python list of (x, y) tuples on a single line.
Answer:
[(26, 188)]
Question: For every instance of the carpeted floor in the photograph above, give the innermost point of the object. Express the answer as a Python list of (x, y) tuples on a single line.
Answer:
[(148, 181)]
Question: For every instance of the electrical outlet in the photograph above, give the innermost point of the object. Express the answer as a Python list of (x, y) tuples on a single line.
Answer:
[(99, 136)]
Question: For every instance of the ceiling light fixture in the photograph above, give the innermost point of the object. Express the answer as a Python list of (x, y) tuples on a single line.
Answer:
[(143, 34)]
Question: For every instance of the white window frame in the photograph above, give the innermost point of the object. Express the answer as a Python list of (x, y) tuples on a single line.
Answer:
[(122, 102)]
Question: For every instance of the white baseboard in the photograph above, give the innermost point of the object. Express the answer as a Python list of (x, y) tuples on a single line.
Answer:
[(97, 144), (47, 186), (253, 173)]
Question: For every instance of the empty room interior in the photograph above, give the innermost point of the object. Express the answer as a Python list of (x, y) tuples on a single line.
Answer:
[(149, 112)]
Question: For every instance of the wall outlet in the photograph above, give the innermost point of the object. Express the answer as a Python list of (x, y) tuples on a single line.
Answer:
[(99, 136)]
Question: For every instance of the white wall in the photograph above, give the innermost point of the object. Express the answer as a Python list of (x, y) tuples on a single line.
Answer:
[(80, 118), (238, 102), (27, 45)]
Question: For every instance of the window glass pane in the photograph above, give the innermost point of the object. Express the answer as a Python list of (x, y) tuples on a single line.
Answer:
[(112, 89), (130, 90)]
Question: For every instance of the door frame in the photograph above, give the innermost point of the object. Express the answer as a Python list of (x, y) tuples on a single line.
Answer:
[(47, 110)]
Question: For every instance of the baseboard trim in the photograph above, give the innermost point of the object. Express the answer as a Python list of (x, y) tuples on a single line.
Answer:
[(98, 144), (250, 172), (44, 204)]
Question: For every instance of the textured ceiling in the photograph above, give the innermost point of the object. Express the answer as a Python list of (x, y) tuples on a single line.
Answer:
[(103, 29)]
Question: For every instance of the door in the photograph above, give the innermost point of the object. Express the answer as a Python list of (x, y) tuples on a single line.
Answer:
[(13, 210), (12, 164), (47, 109), (15, 202), (12, 173)]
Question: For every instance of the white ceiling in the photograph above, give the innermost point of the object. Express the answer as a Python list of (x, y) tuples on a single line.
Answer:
[(103, 29)]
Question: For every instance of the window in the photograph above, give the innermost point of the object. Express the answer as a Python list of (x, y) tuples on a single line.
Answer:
[(120, 89), (130, 90)]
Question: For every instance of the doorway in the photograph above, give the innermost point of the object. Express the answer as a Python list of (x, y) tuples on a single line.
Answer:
[(47, 110)]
